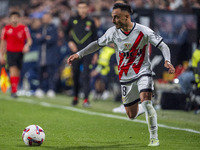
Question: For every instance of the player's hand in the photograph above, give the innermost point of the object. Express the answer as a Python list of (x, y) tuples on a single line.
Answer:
[(72, 46), (26, 49), (170, 67), (38, 35), (48, 37), (2, 59), (94, 73), (72, 58)]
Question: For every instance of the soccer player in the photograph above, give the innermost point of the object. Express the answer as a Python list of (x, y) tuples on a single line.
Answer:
[(131, 44), (16, 40)]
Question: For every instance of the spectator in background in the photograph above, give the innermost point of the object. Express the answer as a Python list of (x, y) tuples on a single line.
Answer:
[(29, 69), (195, 94), (63, 48), (137, 4), (185, 7), (80, 32), (100, 28), (174, 4), (196, 66), (195, 4), (164, 5), (63, 52), (16, 40), (47, 57)]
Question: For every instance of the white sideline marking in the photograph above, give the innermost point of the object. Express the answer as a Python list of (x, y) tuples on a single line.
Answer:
[(45, 104)]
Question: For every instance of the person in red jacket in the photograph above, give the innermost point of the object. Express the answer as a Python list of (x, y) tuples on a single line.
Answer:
[(15, 40)]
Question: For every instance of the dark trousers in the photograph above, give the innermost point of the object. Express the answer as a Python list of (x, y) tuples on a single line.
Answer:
[(46, 77), (30, 70), (85, 80)]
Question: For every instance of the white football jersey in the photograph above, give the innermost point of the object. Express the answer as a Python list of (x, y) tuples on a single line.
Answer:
[(132, 50)]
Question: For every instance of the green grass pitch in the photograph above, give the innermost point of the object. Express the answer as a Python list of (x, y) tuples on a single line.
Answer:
[(90, 129)]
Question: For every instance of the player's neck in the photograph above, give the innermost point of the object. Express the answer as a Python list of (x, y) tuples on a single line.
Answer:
[(83, 17), (15, 24), (128, 27)]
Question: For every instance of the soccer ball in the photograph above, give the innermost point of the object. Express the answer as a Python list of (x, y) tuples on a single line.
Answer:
[(33, 135)]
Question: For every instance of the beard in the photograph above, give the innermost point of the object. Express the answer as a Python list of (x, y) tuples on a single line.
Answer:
[(118, 26), (14, 23)]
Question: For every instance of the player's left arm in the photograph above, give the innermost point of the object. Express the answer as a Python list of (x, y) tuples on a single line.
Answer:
[(92, 47), (28, 40), (166, 53), (156, 40)]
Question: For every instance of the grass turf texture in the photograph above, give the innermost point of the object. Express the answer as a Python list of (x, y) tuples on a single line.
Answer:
[(67, 129)]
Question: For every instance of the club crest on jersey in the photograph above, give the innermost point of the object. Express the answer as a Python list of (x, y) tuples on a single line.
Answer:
[(88, 25), (127, 45), (10, 31)]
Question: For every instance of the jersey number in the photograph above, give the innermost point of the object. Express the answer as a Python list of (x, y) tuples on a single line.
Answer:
[(124, 90)]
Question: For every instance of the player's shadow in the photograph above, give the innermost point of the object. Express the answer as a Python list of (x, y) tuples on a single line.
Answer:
[(112, 146), (36, 147)]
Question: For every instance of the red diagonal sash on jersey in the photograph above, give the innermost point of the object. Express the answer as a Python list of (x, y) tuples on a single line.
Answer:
[(132, 55), (136, 67)]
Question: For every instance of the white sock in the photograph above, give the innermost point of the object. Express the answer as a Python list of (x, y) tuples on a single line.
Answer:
[(140, 110), (151, 118)]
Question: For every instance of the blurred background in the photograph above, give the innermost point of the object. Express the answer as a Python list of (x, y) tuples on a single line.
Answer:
[(177, 21)]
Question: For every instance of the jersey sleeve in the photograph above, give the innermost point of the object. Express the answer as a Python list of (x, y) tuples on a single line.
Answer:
[(106, 39), (154, 38), (3, 34)]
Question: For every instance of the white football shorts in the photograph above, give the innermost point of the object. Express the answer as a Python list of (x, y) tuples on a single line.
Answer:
[(131, 91)]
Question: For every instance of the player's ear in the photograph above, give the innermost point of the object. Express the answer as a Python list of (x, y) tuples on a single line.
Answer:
[(127, 16)]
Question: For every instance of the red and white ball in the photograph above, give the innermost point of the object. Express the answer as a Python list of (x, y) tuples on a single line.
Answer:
[(33, 135)]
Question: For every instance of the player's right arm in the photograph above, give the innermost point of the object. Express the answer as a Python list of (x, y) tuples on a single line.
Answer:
[(3, 46), (2, 51), (92, 47)]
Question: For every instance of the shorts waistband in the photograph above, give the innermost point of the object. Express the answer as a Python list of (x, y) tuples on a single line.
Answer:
[(124, 83)]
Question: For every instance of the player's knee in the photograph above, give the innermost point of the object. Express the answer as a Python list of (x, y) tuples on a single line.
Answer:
[(131, 116), (131, 112)]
